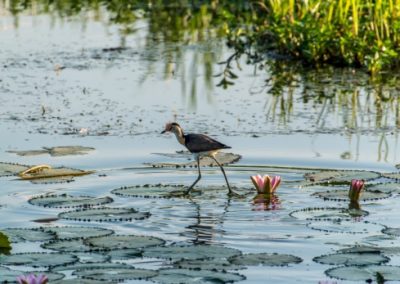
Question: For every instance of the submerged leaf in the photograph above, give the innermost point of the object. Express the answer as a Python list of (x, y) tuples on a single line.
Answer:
[(56, 151), (339, 177), (344, 226)]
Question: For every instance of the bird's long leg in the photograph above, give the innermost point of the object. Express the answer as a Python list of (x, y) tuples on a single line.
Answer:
[(198, 178), (231, 192)]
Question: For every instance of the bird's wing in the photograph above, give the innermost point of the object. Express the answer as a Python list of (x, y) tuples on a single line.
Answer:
[(201, 143)]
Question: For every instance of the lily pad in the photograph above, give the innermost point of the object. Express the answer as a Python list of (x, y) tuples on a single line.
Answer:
[(367, 258), (115, 274), (372, 249), (218, 264), (392, 231), (104, 214), (37, 259), (17, 235), (10, 276), (223, 159), (328, 213), (364, 273), (339, 177), (151, 191), (78, 232), (68, 201), (345, 226), (265, 259), (395, 176), (5, 246), (79, 281), (92, 257), (343, 195), (55, 151), (388, 187), (45, 172), (8, 169), (188, 276), (190, 252), (125, 254), (90, 265), (74, 245), (124, 242)]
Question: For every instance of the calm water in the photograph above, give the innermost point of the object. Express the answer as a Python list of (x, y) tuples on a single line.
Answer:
[(62, 75)]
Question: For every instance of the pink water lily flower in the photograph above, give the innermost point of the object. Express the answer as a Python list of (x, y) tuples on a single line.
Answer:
[(32, 279), (266, 184), (355, 190)]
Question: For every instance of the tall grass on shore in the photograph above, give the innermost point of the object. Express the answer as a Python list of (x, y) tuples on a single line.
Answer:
[(362, 33)]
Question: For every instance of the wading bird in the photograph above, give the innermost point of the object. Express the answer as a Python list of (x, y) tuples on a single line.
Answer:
[(199, 145)]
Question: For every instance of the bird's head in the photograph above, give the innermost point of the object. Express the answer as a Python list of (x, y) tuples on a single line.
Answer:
[(171, 127)]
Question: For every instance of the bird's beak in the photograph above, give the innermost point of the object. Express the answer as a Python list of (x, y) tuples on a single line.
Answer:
[(162, 132)]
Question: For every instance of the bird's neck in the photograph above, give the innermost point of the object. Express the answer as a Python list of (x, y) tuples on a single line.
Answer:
[(179, 135)]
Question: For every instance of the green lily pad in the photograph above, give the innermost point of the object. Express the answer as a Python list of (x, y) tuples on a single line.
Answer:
[(392, 231), (92, 257), (222, 157), (55, 151), (74, 245), (115, 274), (5, 246), (17, 235), (339, 177), (77, 232), (8, 169), (364, 273), (151, 191), (68, 201), (104, 214), (343, 195), (190, 252), (90, 265), (79, 281), (367, 258), (395, 176), (125, 254), (189, 276), (37, 259), (344, 226), (124, 242), (328, 213), (266, 259), (388, 187), (218, 264), (10, 276), (371, 249), (46, 173)]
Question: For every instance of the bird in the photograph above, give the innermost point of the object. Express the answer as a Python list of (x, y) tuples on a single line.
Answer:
[(199, 145)]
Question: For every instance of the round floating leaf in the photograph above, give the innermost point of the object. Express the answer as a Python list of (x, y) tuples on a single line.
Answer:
[(79, 281), (77, 232), (48, 172), (207, 264), (68, 150), (150, 191), (339, 177), (7, 169), (372, 249), (115, 274), (395, 176), (37, 259), (28, 235), (352, 259), (188, 276), (364, 273), (74, 245), (392, 231), (125, 254), (84, 266), (104, 215), (267, 259), (123, 242), (90, 257), (10, 276), (389, 187), (343, 195), (345, 226), (190, 252), (68, 201), (327, 213)]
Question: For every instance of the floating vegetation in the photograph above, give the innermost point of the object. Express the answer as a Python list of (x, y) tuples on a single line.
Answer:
[(190, 252), (78, 281), (5, 246), (56, 151), (266, 259), (115, 274), (74, 245), (10, 276), (328, 213), (371, 249), (17, 235), (104, 214), (339, 177), (8, 169), (222, 157), (124, 254), (44, 172), (77, 232), (91, 257), (124, 242), (343, 195), (218, 264), (388, 187), (364, 273), (392, 231), (68, 201), (173, 276), (344, 226), (365, 258), (92, 265), (395, 176), (37, 259), (151, 191)]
